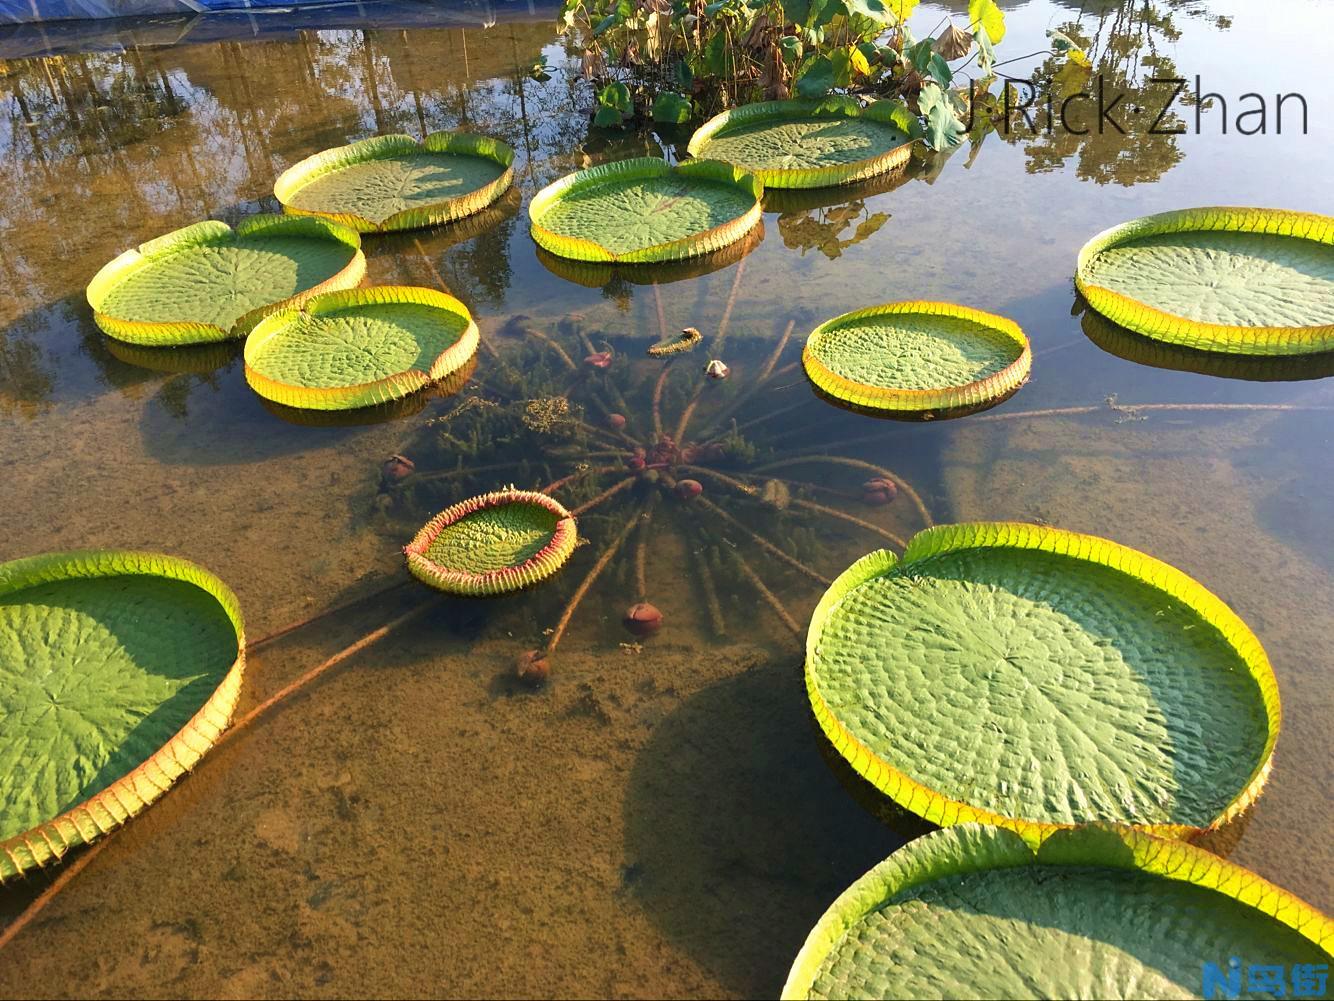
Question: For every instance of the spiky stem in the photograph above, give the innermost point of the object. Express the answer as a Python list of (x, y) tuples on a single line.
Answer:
[(546, 339), (762, 542), (371, 638), (292, 627), (607, 555), (657, 397), (768, 595), (840, 460), (851, 520), (67, 874), (1133, 407), (611, 491), (744, 396), (449, 474), (713, 474), (641, 551), (775, 413), (662, 316), (710, 589), (721, 337), (577, 474)]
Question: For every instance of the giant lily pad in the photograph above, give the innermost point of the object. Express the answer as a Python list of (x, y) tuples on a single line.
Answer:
[(1095, 912), (1237, 280), (394, 182), (208, 282), (1117, 340), (806, 144), (917, 358), (1035, 678), (359, 348), (118, 670), (493, 544), (646, 210)]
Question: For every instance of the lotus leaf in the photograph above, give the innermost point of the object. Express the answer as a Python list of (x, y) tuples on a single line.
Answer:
[(359, 348), (806, 144), (208, 282), (118, 670), (646, 210), (1236, 280), (917, 357), (493, 544), (1034, 678), (1095, 912), (394, 182)]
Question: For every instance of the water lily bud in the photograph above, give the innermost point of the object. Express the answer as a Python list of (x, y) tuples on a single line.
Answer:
[(643, 619), (532, 668), (689, 489), (717, 370)]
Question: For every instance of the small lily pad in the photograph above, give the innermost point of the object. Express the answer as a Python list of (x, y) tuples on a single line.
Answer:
[(394, 182), (493, 544), (118, 671), (1095, 912), (1035, 678), (917, 358), (646, 210), (209, 282), (359, 348), (805, 144), (1236, 280)]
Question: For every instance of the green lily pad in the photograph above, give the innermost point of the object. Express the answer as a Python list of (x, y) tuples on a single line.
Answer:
[(1117, 340), (646, 210), (1095, 912), (493, 544), (359, 348), (1234, 280), (917, 357), (208, 282), (118, 670), (805, 144), (1035, 678), (393, 182)]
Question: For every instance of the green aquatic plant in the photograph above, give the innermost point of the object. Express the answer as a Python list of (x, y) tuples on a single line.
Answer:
[(395, 182), (646, 210), (209, 282), (808, 144), (650, 455), (493, 544), (918, 358), (975, 911), (118, 671), (359, 348), (1236, 280), (1035, 678), (668, 62)]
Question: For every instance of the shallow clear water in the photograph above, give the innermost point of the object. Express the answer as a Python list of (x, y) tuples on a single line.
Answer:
[(658, 821)]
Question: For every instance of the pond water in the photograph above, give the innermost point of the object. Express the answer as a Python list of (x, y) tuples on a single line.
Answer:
[(661, 819)]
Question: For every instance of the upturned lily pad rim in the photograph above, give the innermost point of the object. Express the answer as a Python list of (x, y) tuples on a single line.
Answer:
[(1161, 325), (810, 177), (538, 567), (938, 808), (329, 161), (599, 274), (973, 847), (645, 168), (365, 394), (1130, 346), (210, 233), (973, 394), (134, 791)]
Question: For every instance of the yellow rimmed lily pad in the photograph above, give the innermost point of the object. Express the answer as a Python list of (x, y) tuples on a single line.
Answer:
[(209, 282), (118, 671), (1245, 281), (493, 544), (807, 144), (394, 182), (917, 358), (646, 210), (1094, 912), (1035, 678), (359, 348)]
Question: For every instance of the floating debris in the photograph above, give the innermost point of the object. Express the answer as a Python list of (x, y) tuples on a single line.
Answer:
[(689, 339)]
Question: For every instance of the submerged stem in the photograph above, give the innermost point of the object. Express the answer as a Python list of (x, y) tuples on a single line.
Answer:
[(587, 582), (611, 491), (762, 542), (841, 460)]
